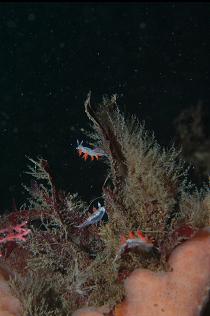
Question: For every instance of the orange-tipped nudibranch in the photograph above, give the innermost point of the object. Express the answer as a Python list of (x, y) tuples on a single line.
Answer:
[(94, 153), (132, 241)]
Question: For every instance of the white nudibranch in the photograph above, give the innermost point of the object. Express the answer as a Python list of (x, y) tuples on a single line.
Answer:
[(95, 217)]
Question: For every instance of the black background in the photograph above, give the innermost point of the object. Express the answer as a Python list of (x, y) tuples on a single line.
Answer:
[(154, 56)]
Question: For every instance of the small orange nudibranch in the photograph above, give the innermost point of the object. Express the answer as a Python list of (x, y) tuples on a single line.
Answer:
[(133, 241), (94, 153)]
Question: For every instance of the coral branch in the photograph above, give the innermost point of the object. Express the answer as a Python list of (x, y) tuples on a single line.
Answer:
[(18, 232)]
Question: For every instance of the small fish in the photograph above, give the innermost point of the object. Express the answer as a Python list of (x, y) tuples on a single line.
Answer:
[(95, 217)]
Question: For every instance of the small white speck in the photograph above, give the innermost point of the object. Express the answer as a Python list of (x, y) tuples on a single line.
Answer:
[(31, 17), (142, 25), (62, 45), (11, 24)]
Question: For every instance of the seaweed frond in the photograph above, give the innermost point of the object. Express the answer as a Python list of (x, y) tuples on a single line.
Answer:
[(149, 184)]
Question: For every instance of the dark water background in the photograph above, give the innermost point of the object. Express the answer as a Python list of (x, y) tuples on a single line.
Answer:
[(154, 56)]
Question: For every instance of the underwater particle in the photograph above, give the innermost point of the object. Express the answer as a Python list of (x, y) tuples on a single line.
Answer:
[(11, 24), (62, 45), (142, 25), (31, 17)]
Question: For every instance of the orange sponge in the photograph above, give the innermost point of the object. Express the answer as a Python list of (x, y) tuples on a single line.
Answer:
[(9, 305), (182, 291)]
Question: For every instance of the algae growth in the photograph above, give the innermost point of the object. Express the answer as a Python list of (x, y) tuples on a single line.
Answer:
[(151, 207)]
